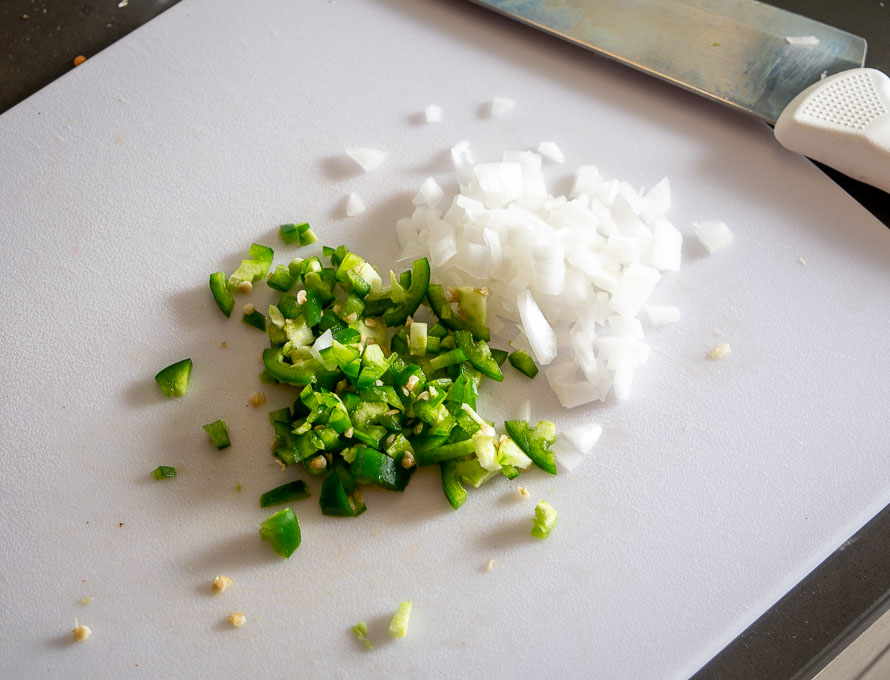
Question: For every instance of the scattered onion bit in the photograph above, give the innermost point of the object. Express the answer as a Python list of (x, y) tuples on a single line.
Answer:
[(354, 205), (237, 619), (501, 105), (367, 158), (713, 235)]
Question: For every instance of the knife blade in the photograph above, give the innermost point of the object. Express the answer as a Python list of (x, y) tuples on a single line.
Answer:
[(803, 76)]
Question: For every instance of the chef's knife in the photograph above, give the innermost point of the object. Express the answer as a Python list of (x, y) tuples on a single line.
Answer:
[(803, 76)]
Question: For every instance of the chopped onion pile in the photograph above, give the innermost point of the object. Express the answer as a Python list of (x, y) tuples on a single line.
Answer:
[(568, 275)]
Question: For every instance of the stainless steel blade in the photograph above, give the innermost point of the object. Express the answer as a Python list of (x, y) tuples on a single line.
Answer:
[(740, 53)]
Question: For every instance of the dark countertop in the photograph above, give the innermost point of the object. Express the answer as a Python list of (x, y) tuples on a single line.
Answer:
[(807, 627)]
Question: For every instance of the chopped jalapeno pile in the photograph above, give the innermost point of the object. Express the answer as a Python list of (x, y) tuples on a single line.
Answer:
[(378, 393)]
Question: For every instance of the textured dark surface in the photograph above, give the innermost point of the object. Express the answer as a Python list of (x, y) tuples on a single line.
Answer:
[(38, 43)]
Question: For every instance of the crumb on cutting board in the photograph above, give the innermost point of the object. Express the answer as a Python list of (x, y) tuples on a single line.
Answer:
[(220, 583), (719, 351)]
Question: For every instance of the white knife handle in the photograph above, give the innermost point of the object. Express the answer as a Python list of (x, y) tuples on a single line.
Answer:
[(843, 121)]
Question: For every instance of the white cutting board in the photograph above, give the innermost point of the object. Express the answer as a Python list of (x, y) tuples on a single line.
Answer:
[(714, 490)]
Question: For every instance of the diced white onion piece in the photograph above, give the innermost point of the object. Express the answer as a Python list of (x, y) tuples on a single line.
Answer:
[(433, 113), (441, 243), (496, 252), (637, 282), (366, 157), (623, 249), (571, 388), (532, 176), (582, 347), (566, 453), (406, 231), (412, 250), (584, 437), (474, 259), (609, 192), (659, 315), (430, 193), (713, 235), (606, 281), (462, 159), (666, 246), (354, 205), (552, 151), (620, 353), (323, 341), (499, 183), (549, 269), (625, 327), (587, 181), (520, 341), (656, 201), (501, 105), (622, 383), (539, 333)]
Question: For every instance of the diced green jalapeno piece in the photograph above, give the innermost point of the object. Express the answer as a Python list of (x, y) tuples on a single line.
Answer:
[(283, 278), (451, 485), (282, 532), (293, 374), (311, 307), (292, 491), (255, 319), (378, 469), (174, 379), (443, 452), (218, 432), (522, 362), (340, 496), (544, 521), (455, 320), (417, 338), (499, 355), (221, 295), (398, 627), (535, 443), (360, 630), (297, 233), (478, 355), (413, 296), (455, 356), (252, 269), (164, 472)]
